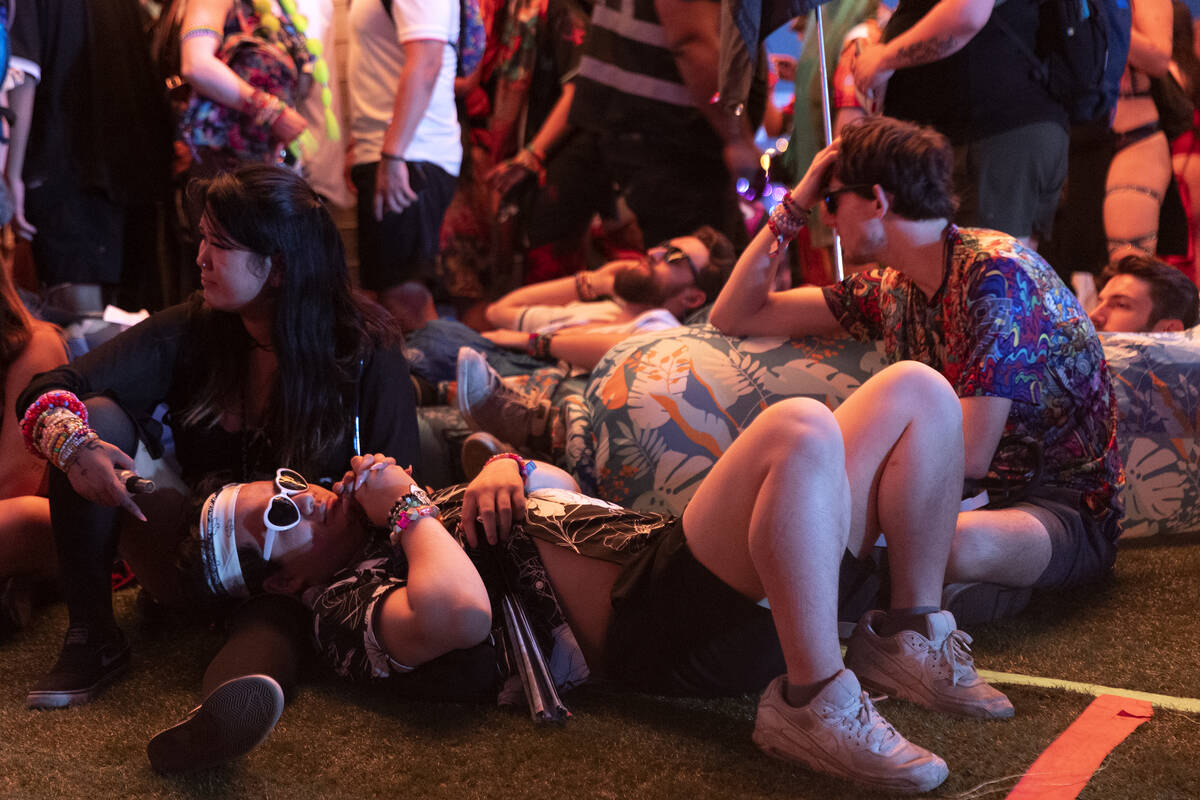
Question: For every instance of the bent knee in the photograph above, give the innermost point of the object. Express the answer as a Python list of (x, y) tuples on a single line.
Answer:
[(799, 427), (922, 389)]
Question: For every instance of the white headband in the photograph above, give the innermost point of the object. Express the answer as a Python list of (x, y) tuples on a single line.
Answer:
[(218, 543)]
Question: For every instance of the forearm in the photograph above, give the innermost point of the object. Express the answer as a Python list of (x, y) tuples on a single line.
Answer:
[(504, 312), (941, 33), (748, 289), (584, 350), (417, 81), (198, 61), (20, 100), (555, 128)]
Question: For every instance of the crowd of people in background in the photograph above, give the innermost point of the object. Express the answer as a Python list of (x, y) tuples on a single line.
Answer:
[(521, 207)]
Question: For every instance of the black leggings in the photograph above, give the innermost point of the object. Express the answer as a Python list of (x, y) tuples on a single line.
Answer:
[(266, 633)]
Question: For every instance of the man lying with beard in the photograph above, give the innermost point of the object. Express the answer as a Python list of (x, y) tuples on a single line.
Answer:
[(578, 318)]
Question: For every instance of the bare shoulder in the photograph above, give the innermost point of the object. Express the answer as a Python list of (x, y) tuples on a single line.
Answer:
[(45, 351)]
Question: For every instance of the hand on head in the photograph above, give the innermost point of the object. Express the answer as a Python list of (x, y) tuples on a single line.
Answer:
[(816, 180), (495, 499)]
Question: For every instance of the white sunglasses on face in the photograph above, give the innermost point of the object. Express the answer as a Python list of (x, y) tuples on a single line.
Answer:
[(282, 513)]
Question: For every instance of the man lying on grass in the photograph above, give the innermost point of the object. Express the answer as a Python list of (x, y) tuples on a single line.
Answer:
[(660, 604)]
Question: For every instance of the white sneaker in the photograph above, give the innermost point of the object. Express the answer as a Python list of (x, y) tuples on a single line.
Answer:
[(840, 733), (938, 672)]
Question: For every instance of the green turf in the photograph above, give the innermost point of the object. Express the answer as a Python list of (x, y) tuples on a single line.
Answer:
[(1138, 631)]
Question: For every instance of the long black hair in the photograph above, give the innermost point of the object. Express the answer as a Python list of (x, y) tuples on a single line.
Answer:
[(16, 329), (320, 333)]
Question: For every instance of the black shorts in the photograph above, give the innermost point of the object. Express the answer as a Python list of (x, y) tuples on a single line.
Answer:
[(1082, 548), (678, 629), (81, 234), (1011, 181), (402, 247)]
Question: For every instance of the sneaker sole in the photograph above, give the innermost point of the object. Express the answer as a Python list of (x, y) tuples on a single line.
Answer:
[(830, 767), (243, 710), (45, 699)]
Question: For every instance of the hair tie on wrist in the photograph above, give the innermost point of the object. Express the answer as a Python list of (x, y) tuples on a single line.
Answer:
[(390, 156)]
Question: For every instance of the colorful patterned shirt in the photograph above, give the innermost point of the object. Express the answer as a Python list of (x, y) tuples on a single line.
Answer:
[(1002, 324)]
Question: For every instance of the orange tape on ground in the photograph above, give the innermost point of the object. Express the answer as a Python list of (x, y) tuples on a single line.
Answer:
[(1064, 768)]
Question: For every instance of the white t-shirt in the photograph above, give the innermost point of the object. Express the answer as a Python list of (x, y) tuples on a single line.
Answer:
[(324, 168), (376, 59), (549, 319)]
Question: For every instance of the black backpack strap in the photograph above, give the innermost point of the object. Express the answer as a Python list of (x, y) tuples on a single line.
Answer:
[(1040, 69)]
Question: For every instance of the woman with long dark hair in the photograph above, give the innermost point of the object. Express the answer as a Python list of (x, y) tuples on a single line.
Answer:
[(273, 364), (27, 346)]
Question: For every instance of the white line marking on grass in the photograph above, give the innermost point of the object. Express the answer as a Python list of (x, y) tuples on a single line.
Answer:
[(1188, 704)]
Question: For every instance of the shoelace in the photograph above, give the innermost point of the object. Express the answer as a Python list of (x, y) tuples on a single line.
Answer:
[(956, 652), (866, 725)]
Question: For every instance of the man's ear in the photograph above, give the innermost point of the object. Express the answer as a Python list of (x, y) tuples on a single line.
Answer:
[(283, 581), (1167, 326), (883, 200), (692, 298)]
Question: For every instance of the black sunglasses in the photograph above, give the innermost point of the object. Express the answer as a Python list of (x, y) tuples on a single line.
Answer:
[(831, 197), (673, 255)]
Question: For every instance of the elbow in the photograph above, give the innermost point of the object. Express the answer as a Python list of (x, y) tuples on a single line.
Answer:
[(973, 17), (456, 620), (494, 314), (723, 319)]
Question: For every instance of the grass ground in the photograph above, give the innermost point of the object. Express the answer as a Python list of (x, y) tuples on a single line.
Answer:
[(1138, 631)]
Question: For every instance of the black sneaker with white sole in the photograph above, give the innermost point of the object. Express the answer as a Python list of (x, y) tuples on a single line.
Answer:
[(233, 720), (89, 661)]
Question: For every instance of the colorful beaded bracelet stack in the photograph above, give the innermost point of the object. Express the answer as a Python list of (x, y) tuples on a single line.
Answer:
[(55, 427), (524, 466), (408, 509), (785, 222), (538, 345)]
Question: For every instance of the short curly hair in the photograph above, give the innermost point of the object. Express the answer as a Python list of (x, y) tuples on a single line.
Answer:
[(915, 165)]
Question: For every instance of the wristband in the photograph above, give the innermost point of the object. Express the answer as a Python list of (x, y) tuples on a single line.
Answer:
[(538, 345), (583, 286), (524, 466), (390, 156), (201, 30)]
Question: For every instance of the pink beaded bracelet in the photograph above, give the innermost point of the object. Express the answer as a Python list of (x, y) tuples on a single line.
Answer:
[(524, 466), (48, 401)]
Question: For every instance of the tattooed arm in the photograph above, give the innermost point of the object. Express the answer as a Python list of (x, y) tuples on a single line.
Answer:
[(942, 32)]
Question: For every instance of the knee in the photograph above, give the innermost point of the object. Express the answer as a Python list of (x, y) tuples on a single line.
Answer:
[(112, 423), (800, 429), (923, 390), (970, 551)]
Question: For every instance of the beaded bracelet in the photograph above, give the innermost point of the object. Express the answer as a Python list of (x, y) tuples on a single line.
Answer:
[(33, 415), (401, 516), (538, 345), (524, 466), (583, 286), (201, 30), (785, 222)]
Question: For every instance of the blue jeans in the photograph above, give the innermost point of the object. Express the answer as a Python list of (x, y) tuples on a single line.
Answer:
[(432, 352)]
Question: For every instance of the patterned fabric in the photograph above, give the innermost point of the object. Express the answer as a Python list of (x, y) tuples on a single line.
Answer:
[(661, 408), (273, 63), (1003, 325), (1158, 393), (343, 612)]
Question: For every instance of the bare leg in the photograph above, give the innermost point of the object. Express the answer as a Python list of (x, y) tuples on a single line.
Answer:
[(26, 542), (1137, 181), (781, 487), (771, 518), (904, 459), (1007, 546)]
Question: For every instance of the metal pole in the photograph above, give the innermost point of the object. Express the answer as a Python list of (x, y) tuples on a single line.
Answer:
[(839, 271)]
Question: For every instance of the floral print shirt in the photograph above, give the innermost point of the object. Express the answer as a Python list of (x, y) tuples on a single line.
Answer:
[(1002, 324)]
